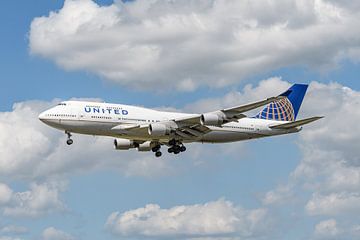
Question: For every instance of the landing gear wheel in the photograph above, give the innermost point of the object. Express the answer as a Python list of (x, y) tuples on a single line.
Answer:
[(182, 148), (172, 142), (158, 154), (170, 150), (69, 142), (176, 151), (156, 148)]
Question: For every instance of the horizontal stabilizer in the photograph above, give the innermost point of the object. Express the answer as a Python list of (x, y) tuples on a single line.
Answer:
[(295, 123)]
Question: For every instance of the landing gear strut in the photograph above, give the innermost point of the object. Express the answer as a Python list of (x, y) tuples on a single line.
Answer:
[(69, 141)]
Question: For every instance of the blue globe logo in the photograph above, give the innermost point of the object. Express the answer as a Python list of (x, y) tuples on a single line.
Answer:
[(280, 110)]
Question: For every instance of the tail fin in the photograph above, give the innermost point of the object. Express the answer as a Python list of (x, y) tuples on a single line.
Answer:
[(287, 108)]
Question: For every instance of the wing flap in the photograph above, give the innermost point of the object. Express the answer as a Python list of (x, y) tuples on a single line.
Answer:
[(294, 124)]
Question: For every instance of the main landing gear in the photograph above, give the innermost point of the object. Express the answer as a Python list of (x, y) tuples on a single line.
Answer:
[(69, 141), (156, 150), (176, 147)]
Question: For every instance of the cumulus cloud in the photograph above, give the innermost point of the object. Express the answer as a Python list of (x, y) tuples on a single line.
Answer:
[(5, 193), (161, 44), (331, 163), (52, 233), (31, 150), (22, 139), (327, 178), (331, 229), (213, 219), (9, 238), (39, 200), (334, 204), (281, 195), (266, 88), (14, 229), (327, 229)]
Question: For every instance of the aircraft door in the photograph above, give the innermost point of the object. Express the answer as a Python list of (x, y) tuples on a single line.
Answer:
[(256, 127), (80, 115)]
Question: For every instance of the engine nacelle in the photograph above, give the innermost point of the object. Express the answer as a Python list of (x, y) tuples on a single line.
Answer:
[(123, 144), (211, 119), (158, 130), (145, 146)]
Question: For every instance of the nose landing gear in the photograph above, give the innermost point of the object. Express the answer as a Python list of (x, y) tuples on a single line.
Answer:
[(69, 141)]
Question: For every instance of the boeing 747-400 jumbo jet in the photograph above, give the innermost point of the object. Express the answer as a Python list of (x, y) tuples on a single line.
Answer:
[(148, 130)]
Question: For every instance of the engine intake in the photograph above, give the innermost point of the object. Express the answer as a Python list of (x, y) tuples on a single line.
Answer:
[(211, 119), (124, 144), (158, 130)]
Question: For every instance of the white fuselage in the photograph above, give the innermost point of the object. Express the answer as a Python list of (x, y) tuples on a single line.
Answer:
[(96, 118)]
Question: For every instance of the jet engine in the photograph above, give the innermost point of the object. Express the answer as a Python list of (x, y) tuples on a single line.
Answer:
[(124, 144), (145, 146), (158, 130), (211, 119)]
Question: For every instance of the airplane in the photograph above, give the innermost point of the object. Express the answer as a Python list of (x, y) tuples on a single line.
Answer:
[(148, 130)]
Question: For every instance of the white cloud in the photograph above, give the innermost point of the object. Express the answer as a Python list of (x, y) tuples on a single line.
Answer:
[(154, 44), (52, 233), (340, 105), (5, 193), (281, 195), (330, 229), (23, 139), (266, 88), (31, 150), (41, 199), (213, 219), (14, 229), (9, 238), (331, 160), (327, 229), (334, 204), (327, 179)]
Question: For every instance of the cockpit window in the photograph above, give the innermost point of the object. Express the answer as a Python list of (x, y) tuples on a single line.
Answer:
[(62, 104)]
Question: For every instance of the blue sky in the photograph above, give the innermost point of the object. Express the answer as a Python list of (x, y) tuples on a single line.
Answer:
[(79, 188)]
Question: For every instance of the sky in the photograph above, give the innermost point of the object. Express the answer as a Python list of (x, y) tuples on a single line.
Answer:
[(191, 56)]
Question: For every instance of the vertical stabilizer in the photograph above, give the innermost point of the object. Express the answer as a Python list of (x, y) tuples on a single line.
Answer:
[(287, 108)]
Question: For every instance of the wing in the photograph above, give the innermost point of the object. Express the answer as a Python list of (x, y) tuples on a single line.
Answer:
[(236, 112), (231, 114), (194, 126), (294, 124)]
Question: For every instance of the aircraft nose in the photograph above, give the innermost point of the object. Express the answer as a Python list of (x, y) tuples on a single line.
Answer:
[(42, 116)]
